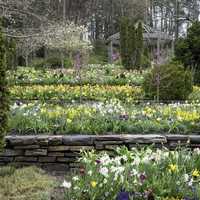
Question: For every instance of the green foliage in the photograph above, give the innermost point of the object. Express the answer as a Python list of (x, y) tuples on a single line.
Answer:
[(124, 42), (51, 62), (168, 82), (139, 45), (38, 63), (10, 52), (99, 54), (187, 50), (4, 104), (131, 42)]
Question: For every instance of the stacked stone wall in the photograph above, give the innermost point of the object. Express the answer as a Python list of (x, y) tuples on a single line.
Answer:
[(62, 152)]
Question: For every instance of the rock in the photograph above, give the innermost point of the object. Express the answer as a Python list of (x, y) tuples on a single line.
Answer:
[(67, 160), (111, 147), (99, 146), (43, 140), (11, 152), (74, 154), (194, 139), (27, 147), (36, 152), (144, 139), (78, 140), (21, 140), (25, 159), (6, 159), (69, 148), (56, 154), (55, 140), (109, 138), (47, 159), (58, 148)]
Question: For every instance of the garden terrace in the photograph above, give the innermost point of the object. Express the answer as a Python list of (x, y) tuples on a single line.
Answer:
[(62, 152)]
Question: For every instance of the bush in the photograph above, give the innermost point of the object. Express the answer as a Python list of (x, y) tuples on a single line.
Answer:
[(168, 82), (38, 63), (54, 62), (187, 50), (99, 54), (4, 105)]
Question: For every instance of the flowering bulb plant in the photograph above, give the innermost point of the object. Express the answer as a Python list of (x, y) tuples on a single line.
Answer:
[(137, 174)]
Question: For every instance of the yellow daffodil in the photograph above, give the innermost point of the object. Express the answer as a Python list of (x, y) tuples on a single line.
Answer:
[(196, 173), (173, 168), (93, 184)]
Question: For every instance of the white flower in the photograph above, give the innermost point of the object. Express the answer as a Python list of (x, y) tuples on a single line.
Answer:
[(104, 171), (190, 183), (186, 177), (197, 151), (90, 173), (134, 172), (66, 184), (75, 178), (105, 181), (106, 194), (136, 161), (76, 188)]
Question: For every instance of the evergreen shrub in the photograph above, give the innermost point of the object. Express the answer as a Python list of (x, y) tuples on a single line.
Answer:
[(168, 82)]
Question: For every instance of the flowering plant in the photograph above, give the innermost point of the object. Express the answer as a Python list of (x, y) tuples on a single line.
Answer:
[(137, 174), (100, 118)]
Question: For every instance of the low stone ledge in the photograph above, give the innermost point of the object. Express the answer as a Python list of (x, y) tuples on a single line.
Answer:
[(63, 152)]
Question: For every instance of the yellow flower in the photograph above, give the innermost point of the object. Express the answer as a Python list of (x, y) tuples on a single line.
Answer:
[(173, 168), (69, 121), (195, 173), (93, 184)]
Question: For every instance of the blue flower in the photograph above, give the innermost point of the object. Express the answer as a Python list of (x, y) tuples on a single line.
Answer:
[(123, 196)]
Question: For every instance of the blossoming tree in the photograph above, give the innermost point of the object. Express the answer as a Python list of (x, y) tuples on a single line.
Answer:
[(68, 38)]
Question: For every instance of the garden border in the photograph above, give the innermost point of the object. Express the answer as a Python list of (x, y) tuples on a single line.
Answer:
[(61, 152)]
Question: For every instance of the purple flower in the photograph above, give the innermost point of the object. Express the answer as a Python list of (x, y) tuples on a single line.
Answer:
[(98, 161), (142, 177), (123, 196), (124, 117)]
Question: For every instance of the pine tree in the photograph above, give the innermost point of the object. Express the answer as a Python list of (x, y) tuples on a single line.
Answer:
[(4, 104), (139, 46)]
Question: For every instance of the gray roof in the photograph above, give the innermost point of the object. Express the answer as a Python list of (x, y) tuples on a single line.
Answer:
[(150, 36)]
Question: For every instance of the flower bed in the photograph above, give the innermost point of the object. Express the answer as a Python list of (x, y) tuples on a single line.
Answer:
[(92, 74), (70, 93), (137, 174), (101, 118)]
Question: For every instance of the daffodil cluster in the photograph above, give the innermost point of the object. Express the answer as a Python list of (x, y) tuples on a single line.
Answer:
[(100, 118)]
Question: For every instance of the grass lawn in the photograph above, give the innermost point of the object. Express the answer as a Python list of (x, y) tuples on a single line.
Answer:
[(28, 183)]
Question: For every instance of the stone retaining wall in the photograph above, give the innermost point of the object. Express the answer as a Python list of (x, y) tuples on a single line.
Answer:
[(62, 152)]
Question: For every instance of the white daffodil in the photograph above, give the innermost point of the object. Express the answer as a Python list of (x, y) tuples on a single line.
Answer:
[(66, 184)]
